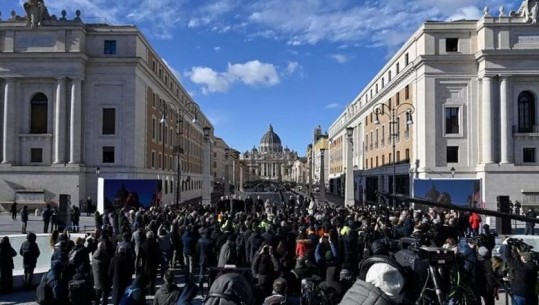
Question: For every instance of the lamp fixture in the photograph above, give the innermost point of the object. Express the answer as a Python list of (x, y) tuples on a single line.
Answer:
[(409, 119), (453, 172), (206, 131), (349, 132), (97, 170), (376, 119), (162, 118)]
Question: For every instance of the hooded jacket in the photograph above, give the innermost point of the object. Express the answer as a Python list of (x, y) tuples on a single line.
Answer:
[(167, 294)]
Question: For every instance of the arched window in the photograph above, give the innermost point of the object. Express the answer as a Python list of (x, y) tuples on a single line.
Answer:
[(526, 112), (38, 113)]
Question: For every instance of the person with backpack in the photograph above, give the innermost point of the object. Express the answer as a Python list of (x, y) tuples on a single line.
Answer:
[(30, 252), (7, 253), (169, 292), (52, 289), (79, 288), (100, 267)]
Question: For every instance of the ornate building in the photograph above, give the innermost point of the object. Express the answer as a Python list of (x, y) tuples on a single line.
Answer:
[(458, 101), (270, 161), (82, 102)]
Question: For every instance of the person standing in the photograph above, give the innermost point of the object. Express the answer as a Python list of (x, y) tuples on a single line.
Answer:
[(24, 218), (75, 218), (530, 226), (14, 210), (46, 218), (54, 219), (121, 271), (475, 222), (7, 253), (29, 252), (89, 206), (100, 267)]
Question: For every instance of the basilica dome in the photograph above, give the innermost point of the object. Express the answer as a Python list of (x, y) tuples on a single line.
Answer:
[(270, 142)]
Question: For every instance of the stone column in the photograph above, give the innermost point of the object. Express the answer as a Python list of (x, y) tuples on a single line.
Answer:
[(10, 128), (486, 121), (59, 122), (242, 168), (206, 173), (75, 123), (322, 182), (506, 122), (349, 182)]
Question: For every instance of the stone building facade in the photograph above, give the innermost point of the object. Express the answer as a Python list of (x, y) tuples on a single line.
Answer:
[(78, 97), (460, 101)]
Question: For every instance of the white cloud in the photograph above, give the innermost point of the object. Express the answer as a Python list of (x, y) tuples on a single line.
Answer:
[(469, 12), (292, 67), (344, 22), (332, 106), (217, 49), (340, 58), (251, 73)]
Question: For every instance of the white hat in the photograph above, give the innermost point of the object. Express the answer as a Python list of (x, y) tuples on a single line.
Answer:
[(388, 279)]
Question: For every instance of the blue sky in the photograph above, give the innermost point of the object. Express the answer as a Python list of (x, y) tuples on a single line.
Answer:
[(293, 63)]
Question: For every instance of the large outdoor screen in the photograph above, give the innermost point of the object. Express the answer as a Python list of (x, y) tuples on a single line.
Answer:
[(463, 192), (127, 193)]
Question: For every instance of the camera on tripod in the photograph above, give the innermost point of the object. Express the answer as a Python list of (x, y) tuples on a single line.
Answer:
[(437, 256)]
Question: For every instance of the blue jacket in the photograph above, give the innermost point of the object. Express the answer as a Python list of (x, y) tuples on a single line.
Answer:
[(187, 241)]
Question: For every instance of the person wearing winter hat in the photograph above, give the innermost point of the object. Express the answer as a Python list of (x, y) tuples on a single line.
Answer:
[(486, 281)]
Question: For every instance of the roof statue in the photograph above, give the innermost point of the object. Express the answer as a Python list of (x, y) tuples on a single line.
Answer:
[(36, 12), (529, 10)]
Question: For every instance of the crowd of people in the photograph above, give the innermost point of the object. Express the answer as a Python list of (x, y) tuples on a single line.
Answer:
[(273, 247)]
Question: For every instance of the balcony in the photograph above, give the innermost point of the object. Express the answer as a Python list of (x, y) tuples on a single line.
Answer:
[(525, 129)]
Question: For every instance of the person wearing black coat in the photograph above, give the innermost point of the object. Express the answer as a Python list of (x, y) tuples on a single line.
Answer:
[(254, 243), (150, 256), (100, 267), (29, 252), (122, 267), (206, 254), (7, 253), (24, 218), (168, 293)]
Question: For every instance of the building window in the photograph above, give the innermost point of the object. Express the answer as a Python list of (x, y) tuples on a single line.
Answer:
[(528, 155), (407, 154), (377, 161), (153, 128), (376, 88), (383, 135), (407, 92), (383, 160), (397, 68), (110, 47), (109, 121), (108, 154), (406, 59), (526, 112), (398, 99), (388, 76), (36, 155), (452, 120), (451, 44), (38, 114), (452, 154), (153, 159), (154, 100), (383, 82), (398, 156)]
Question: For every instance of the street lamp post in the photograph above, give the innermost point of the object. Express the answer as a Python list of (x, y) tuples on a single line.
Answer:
[(349, 182), (393, 115), (164, 113)]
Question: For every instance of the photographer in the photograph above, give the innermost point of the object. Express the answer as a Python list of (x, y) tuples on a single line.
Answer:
[(524, 270), (265, 268)]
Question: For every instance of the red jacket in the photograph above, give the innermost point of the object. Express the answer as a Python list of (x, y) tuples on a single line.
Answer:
[(474, 220)]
